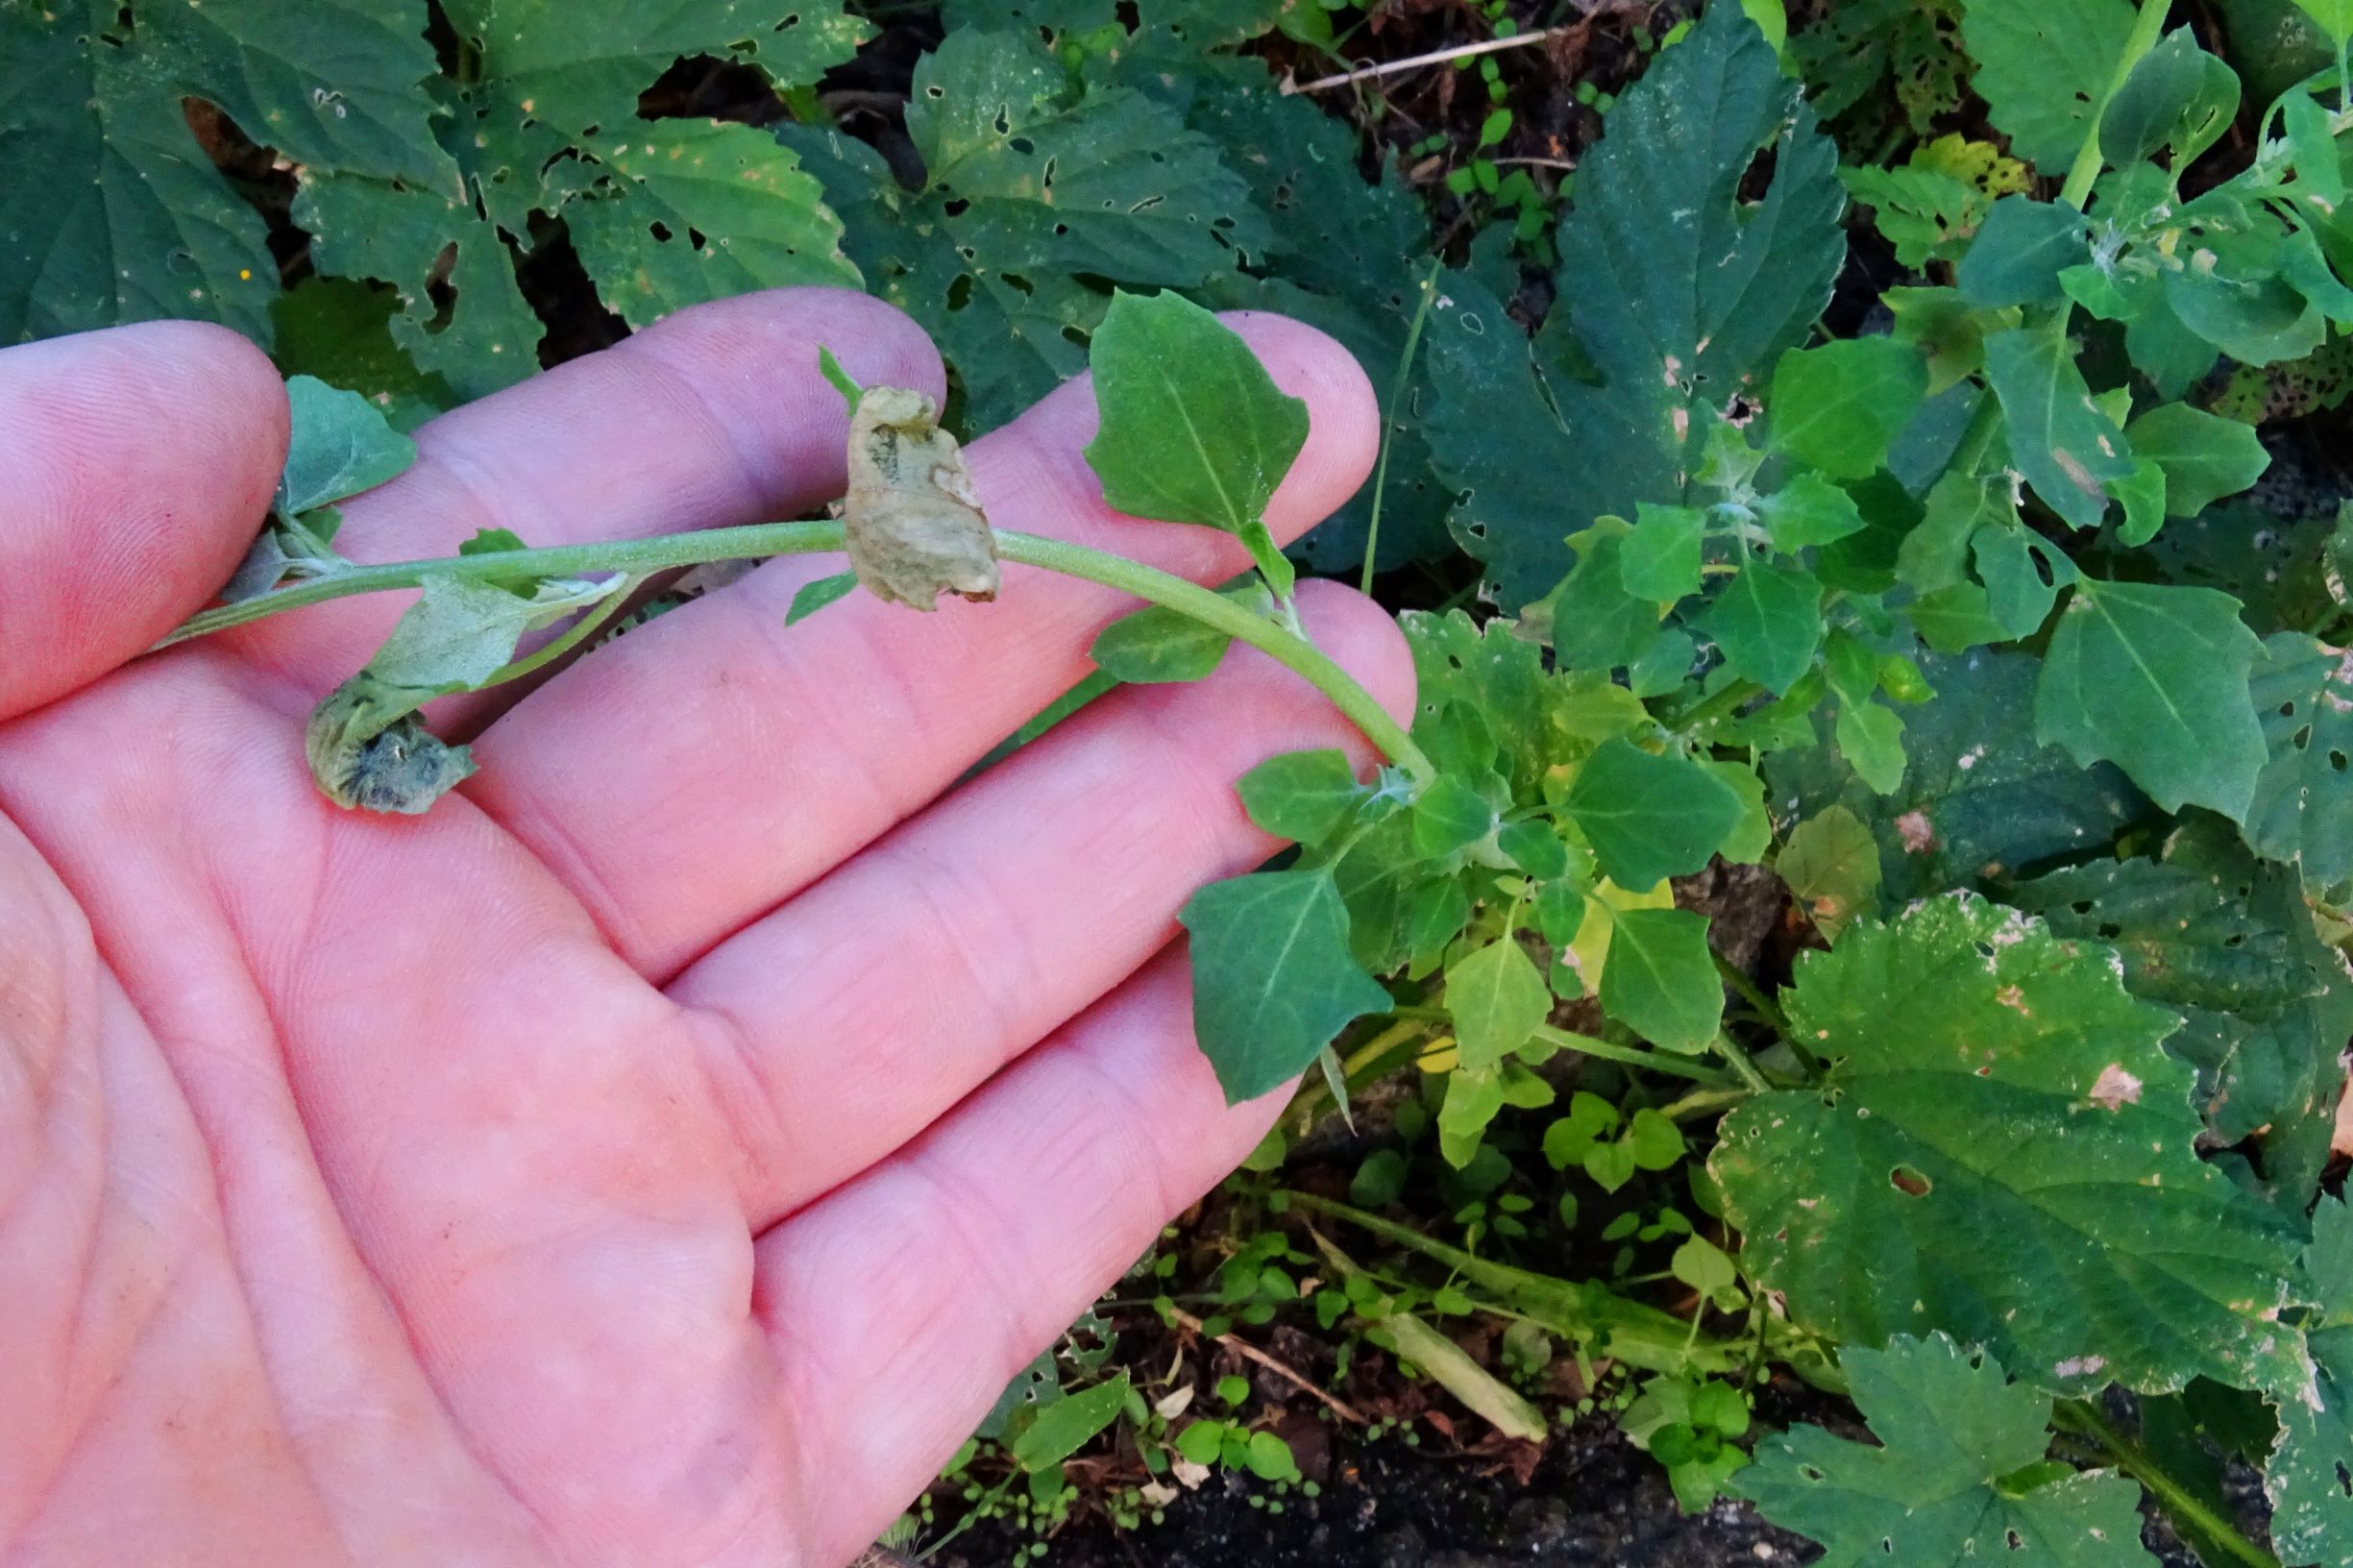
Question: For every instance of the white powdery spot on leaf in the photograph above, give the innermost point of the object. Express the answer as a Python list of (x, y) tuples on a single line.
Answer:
[(2079, 1367), (1919, 833)]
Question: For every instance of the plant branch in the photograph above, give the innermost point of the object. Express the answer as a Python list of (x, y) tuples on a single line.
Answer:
[(2085, 1419), (1388, 427), (1564, 1040), (1435, 57), (2148, 26), (637, 557), (1249, 1352)]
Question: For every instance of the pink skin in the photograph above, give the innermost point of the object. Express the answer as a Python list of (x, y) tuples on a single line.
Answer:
[(662, 1152)]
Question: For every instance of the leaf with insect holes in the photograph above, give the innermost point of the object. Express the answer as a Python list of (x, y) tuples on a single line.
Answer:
[(127, 220), (1063, 1427), (2312, 1501), (1986, 1079), (2067, 449), (1273, 977), (1957, 1477), (1496, 999), (2154, 678), (912, 522), (1660, 981), (2303, 803), (1194, 430), (1649, 816), (2043, 69), (1678, 297)]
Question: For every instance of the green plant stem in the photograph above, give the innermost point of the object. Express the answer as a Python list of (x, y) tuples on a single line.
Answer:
[(2148, 26), (1564, 1040), (639, 558), (1750, 993), (595, 619), (1388, 427), (1701, 1102), (1723, 706), (2085, 1420), (1750, 1074)]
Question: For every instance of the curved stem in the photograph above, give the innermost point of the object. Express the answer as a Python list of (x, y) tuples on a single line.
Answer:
[(637, 557), (2084, 1418), (1388, 427)]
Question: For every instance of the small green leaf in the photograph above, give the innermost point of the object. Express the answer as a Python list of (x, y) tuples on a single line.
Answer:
[(1870, 735), (1194, 430), (1069, 1423), (1768, 621), (1534, 847), (1273, 978), (1837, 406), (1660, 558), (1649, 816), (2257, 321), (1302, 795), (1497, 999), (2303, 804), (1831, 864), (1157, 645), (1951, 1429), (2177, 96), (2068, 449), (1660, 981), (2020, 252), (1703, 1265), (814, 596), (840, 379), (339, 446), (1655, 1142), (2203, 456), (2333, 18), (1450, 814), (1809, 511), (2154, 678)]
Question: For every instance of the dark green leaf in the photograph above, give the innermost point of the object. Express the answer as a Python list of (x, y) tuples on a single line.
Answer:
[(2257, 321), (338, 446), (2303, 804), (2020, 252), (1993, 1081), (1273, 979), (2204, 456), (2177, 96), (2068, 451), (2154, 678), (1450, 814), (2043, 68), (1936, 1492)]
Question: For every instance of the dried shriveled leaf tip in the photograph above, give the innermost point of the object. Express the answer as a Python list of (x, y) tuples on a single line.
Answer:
[(912, 521)]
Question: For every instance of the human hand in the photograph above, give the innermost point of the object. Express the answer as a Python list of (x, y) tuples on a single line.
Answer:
[(663, 1151)]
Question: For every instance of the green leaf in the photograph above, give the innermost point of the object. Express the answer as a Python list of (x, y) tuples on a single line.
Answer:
[(1157, 645), (1831, 864), (1671, 320), (1661, 559), (1273, 978), (1066, 1426), (1935, 1493), (339, 328), (2154, 678), (815, 595), (1450, 814), (2204, 456), (2303, 804), (2177, 96), (2043, 69), (1302, 795), (1194, 430), (2068, 451), (1659, 980), (1809, 510), (2256, 321), (1656, 1143), (1988, 1080), (1837, 406), (2020, 252), (1871, 735), (765, 220), (338, 446), (126, 220), (2334, 17), (1768, 621), (330, 83), (1450, 1368), (1649, 816), (2311, 1503), (1497, 999)]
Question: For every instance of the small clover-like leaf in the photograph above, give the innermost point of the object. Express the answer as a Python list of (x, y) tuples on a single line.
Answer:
[(913, 522)]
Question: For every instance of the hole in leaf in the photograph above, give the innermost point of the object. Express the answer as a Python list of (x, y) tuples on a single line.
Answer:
[(2337, 760), (956, 208), (960, 292), (2302, 738), (2012, 1538), (659, 231), (1909, 1181)]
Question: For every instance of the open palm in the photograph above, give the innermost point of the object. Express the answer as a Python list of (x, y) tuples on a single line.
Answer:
[(663, 1151)]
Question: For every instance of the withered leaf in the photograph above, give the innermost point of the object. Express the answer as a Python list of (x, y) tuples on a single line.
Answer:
[(913, 521)]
